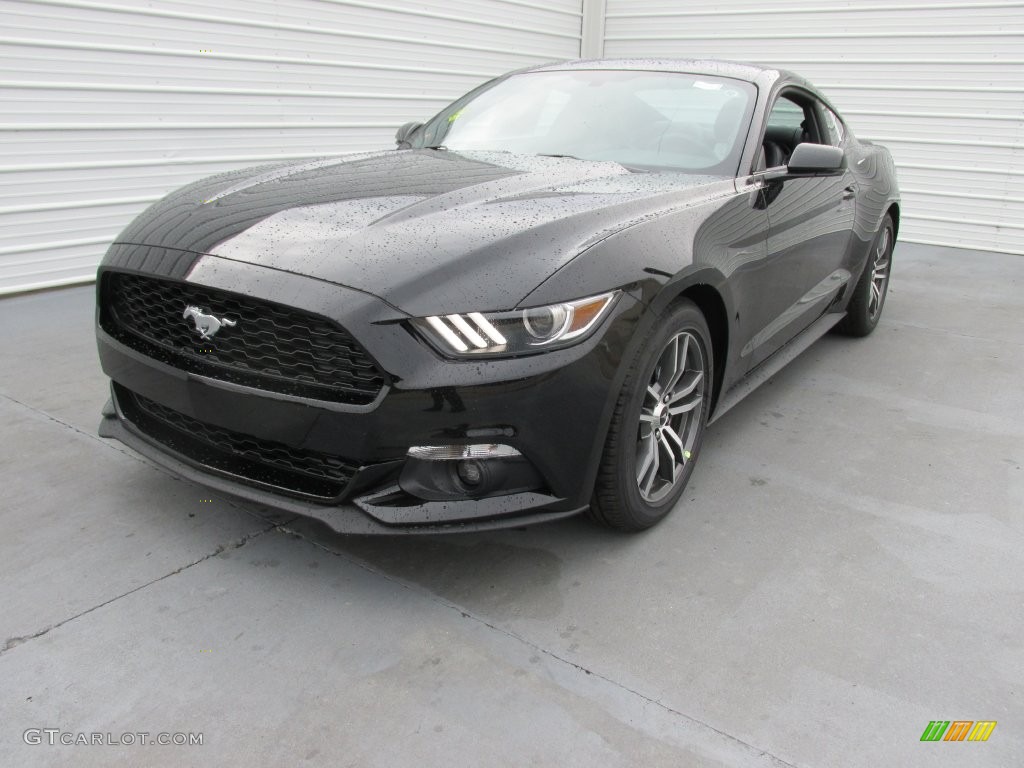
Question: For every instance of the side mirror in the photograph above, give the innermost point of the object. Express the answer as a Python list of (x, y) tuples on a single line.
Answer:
[(402, 134), (816, 159)]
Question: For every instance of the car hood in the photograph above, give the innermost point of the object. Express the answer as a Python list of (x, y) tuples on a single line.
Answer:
[(427, 231)]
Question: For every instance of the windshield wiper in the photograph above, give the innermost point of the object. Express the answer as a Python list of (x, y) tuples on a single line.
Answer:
[(632, 168)]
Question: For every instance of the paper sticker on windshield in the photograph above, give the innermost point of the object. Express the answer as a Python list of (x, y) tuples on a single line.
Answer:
[(707, 86)]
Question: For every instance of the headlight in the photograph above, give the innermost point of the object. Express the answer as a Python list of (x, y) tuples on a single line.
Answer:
[(519, 332)]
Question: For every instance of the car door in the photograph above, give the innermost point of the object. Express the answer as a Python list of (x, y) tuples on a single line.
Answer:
[(809, 224)]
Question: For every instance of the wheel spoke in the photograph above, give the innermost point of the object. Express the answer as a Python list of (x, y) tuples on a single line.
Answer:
[(680, 363), (670, 466), (666, 366), (677, 444), (647, 445), (686, 407), (654, 465), (687, 389)]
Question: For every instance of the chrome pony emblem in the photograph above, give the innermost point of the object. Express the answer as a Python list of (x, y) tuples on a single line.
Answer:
[(207, 325)]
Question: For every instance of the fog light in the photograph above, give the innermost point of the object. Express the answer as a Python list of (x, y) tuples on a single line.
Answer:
[(470, 472), (460, 472)]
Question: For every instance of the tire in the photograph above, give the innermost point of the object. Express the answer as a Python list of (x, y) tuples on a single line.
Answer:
[(868, 300), (653, 445)]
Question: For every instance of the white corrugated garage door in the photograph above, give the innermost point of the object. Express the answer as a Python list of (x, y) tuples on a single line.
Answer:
[(940, 84), (109, 105)]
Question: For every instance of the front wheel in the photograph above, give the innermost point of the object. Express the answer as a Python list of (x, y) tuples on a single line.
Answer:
[(658, 424), (865, 307)]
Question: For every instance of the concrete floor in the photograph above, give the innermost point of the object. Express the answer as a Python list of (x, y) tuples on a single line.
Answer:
[(845, 567)]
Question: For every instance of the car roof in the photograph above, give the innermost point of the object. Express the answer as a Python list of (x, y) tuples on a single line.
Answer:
[(734, 69)]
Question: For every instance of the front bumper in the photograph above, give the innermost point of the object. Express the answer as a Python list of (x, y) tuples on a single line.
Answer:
[(552, 408), (363, 515)]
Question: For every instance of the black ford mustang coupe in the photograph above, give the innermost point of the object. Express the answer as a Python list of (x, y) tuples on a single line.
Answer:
[(530, 309)]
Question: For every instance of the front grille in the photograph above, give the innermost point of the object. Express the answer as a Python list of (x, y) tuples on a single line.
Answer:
[(271, 347), (291, 470)]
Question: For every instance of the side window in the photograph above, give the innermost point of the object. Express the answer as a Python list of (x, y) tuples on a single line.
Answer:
[(790, 122), (833, 126), (797, 117)]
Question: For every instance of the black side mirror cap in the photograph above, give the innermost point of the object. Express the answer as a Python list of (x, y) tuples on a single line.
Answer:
[(404, 132), (816, 159)]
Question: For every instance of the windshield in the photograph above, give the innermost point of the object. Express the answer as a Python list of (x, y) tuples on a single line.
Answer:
[(651, 120)]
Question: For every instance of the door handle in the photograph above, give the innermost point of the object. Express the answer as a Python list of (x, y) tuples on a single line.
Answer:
[(849, 192)]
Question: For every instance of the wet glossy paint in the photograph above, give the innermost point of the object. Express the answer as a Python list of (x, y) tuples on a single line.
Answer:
[(371, 240)]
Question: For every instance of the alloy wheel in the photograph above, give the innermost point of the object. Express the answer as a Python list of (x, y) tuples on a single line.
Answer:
[(670, 417), (880, 272)]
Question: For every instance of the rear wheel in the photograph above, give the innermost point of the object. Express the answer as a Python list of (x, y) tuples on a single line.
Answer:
[(658, 424), (865, 307)]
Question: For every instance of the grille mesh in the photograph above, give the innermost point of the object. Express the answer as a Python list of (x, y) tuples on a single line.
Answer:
[(271, 347), (292, 470)]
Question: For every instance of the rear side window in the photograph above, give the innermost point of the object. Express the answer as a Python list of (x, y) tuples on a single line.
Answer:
[(833, 126)]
